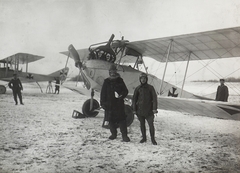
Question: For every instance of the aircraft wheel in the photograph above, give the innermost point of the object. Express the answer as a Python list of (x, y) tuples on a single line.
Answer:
[(130, 115), (2, 89), (86, 108)]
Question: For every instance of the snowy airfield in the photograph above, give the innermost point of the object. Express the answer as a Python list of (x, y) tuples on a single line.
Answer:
[(41, 136)]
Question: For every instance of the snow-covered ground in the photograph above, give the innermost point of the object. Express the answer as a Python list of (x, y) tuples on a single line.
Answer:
[(41, 136)]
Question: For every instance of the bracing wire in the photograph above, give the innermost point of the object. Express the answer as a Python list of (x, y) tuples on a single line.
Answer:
[(216, 73)]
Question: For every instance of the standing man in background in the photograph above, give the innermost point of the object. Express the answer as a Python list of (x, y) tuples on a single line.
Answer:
[(57, 86), (16, 86), (222, 92)]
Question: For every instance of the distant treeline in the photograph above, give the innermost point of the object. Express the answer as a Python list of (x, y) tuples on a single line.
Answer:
[(76, 78), (230, 79)]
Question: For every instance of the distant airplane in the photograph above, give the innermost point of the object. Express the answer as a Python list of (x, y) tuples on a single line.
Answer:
[(94, 62), (11, 66)]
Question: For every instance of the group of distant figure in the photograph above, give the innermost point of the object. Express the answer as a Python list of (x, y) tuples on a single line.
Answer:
[(113, 93), (49, 88)]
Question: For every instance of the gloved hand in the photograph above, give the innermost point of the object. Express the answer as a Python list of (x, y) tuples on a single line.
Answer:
[(117, 95), (155, 112), (103, 106)]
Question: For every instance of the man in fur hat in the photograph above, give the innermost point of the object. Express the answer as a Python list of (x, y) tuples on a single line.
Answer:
[(112, 97)]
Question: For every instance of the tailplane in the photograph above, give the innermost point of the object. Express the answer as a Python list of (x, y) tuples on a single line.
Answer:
[(61, 74)]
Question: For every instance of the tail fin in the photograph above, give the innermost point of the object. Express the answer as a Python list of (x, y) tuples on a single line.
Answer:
[(61, 74)]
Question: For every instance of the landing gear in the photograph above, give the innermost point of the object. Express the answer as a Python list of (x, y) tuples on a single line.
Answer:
[(86, 108), (91, 105), (2, 89), (130, 115)]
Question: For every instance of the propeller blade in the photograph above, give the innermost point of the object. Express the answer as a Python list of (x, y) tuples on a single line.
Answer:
[(74, 54)]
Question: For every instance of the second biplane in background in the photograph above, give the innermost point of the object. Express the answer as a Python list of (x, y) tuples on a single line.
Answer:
[(11, 65)]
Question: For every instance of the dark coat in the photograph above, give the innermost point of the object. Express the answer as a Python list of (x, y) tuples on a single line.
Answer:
[(57, 82), (113, 106), (222, 93), (144, 100), (15, 85)]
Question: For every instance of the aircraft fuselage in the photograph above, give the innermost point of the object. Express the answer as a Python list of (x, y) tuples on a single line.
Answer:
[(95, 71)]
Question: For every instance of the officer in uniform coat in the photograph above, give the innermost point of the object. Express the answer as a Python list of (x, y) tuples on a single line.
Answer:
[(16, 86), (222, 92), (145, 106)]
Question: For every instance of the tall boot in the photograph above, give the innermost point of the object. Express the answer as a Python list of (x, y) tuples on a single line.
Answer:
[(113, 130), (143, 130), (152, 134), (123, 129), (125, 138), (15, 97), (20, 98)]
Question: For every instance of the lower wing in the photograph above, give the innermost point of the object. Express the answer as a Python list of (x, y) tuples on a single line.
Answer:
[(222, 110)]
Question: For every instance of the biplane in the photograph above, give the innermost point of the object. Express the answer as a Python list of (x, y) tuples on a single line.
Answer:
[(11, 65), (94, 62)]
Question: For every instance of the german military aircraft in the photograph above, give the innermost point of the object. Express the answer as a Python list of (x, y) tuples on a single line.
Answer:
[(11, 66), (94, 62)]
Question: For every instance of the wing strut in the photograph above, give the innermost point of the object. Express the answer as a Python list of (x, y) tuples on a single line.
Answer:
[(189, 56), (6, 73), (67, 60), (39, 87), (145, 66), (169, 49), (15, 64), (122, 50), (27, 64)]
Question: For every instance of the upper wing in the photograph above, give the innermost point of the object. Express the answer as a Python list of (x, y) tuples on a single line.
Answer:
[(21, 58), (214, 109), (223, 43)]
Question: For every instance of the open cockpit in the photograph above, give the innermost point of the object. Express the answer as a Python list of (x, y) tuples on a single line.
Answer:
[(116, 52)]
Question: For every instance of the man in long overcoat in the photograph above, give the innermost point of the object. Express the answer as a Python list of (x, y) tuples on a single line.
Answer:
[(112, 97)]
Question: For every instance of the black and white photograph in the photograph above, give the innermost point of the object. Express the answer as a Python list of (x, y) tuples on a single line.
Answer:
[(119, 86)]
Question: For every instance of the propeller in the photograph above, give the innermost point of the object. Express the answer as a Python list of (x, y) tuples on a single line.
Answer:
[(74, 54)]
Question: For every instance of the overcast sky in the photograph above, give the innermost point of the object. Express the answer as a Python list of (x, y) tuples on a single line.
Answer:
[(47, 27)]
